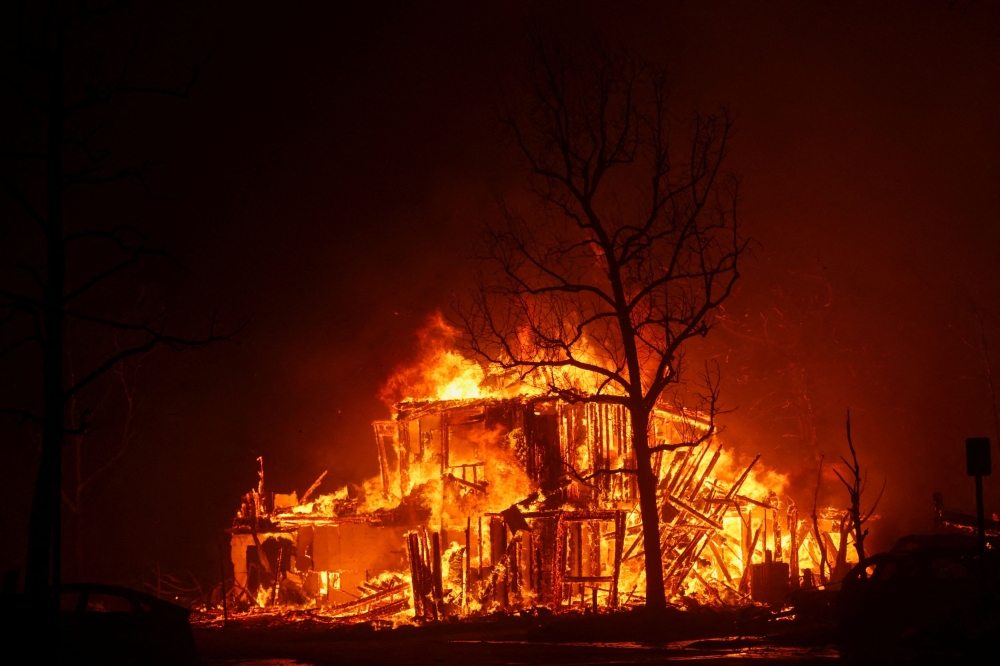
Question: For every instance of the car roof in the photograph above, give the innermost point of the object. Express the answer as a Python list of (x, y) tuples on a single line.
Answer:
[(128, 593)]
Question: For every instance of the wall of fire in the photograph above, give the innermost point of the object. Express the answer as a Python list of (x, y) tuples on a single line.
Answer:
[(496, 503)]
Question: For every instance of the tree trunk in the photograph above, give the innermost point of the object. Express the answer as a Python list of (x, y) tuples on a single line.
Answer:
[(44, 543), (655, 597), (859, 531)]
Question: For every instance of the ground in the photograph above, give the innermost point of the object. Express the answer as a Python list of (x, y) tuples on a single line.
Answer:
[(627, 638)]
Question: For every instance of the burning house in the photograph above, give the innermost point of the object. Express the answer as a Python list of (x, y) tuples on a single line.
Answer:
[(505, 502)]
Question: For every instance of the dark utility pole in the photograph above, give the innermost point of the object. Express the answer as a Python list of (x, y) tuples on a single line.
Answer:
[(978, 464)]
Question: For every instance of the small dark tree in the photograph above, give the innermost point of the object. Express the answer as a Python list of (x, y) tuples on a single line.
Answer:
[(631, 248), (63, 65), (824, 564), (855, 489)]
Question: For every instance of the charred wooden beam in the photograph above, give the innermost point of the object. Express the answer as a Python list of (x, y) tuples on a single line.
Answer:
[(499, 571), (694, 470), (467, 572), (380, 597), (720, 562), (694, 512), (588, 579), (708, 470), (383, 430), (739, 483), (750, 500), (413, 551), (427, 576), (619, 547), (476, 487), (436, 568), (313, 487), (793, 554), (708, 586), (560, 564), (747, 564), (681, 559)]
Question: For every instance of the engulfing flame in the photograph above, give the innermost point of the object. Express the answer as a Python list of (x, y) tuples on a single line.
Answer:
[(438, 372), (441, 373), (743, 502), (455, 378)]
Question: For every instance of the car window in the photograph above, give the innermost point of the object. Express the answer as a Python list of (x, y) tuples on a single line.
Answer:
[(69, 601), (886, 570), (98, 602), (948, 569), (909, 568)]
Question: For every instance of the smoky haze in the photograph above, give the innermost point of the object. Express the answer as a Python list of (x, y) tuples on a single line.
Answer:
[(329, 173)]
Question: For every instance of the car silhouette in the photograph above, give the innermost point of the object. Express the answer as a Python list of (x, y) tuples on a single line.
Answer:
[(99, 624)]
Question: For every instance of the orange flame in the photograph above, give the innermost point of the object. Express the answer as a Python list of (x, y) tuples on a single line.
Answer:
[(439, 373)]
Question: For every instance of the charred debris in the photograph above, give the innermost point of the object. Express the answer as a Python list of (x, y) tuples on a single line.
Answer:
[(486, 505)]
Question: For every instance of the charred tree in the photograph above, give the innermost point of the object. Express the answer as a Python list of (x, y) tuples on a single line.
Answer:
[(64, 65), (817, 533), (91, 453), (630, 248), (855, 489)]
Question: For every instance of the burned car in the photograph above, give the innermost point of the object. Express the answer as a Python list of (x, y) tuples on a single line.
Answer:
[(108, 624), (89, 623), (926, 590)]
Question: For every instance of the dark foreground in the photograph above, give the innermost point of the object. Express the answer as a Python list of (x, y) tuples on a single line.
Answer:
[(628, 638), (812, 633), (926, 606)]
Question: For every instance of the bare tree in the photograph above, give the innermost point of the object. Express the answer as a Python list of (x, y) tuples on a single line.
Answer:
[(855, 489), (631, 247), (63, 65), (824, 565), (90, 454), (86, 466)]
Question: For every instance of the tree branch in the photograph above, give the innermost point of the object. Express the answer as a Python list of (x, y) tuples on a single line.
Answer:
[(155, 339), (137, 254), (23, 416)]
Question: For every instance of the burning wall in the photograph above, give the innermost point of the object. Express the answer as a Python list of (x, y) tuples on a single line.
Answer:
[(487, 503)]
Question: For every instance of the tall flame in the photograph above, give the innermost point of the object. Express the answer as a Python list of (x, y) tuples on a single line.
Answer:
[(438, 372)]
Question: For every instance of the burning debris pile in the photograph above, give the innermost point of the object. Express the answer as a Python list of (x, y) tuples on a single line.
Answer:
[(516, 499), (954, 522), (503, 504)]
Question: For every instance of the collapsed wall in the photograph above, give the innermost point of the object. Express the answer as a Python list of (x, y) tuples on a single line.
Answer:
[(484, 504)]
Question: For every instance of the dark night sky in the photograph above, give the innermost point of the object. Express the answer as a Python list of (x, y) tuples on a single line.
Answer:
[(328, 174)]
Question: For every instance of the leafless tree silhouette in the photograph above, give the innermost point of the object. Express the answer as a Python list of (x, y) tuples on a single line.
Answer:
[(631, 247), (855, 489), (63, 64)]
